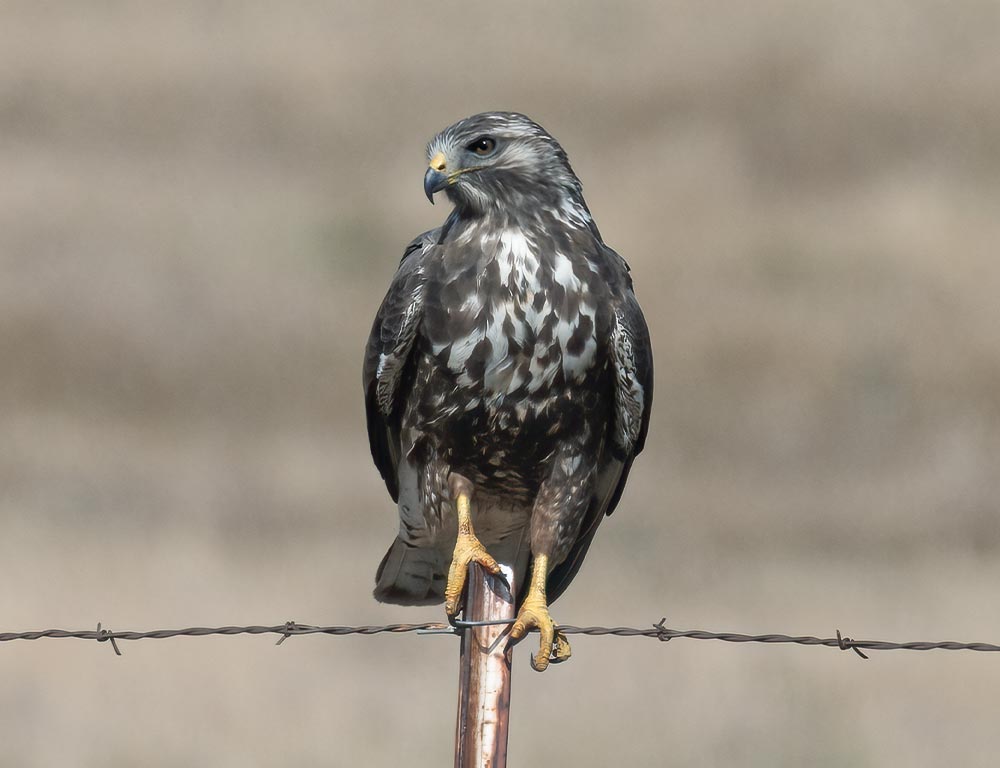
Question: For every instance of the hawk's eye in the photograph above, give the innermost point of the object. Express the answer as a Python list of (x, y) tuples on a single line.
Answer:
[(483, 146)]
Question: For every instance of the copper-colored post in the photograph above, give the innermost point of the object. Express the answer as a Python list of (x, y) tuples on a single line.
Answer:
[(484, 674)]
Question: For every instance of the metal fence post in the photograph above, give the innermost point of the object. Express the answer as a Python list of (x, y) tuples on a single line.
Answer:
[(484, 672)]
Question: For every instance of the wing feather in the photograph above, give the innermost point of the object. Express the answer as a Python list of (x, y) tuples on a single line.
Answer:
[(632, 367), (388, 357)]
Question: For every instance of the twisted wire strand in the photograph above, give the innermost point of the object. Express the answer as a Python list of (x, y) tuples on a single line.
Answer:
[(658, 631)]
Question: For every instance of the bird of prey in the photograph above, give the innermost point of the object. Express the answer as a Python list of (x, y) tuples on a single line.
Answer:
[(510, 366)]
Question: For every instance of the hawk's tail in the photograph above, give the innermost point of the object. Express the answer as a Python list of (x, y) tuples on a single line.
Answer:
[(411, 575)]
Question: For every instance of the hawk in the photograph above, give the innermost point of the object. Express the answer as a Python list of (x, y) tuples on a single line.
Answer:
[(509, 364)]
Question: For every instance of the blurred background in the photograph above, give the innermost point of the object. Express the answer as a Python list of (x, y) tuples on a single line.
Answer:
[(201, 205)]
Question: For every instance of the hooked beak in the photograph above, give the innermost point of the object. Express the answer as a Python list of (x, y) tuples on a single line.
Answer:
[(435, 179)]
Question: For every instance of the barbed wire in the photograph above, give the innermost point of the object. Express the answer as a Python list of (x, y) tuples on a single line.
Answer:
[(658, 631)]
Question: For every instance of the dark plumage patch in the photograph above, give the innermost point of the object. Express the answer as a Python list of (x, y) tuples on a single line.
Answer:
[(584, 329), (544, 335), (475, 367)]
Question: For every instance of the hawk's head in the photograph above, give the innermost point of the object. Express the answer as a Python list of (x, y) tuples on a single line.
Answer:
[(502, 160)]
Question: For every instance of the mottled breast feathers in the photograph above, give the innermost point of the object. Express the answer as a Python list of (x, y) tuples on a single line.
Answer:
[(497, 323)]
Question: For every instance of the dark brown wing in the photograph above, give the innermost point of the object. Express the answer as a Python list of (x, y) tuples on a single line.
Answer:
[(632, 362), (387, 366)]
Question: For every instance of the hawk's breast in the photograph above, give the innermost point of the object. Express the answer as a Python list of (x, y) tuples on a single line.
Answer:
[(520, 313)]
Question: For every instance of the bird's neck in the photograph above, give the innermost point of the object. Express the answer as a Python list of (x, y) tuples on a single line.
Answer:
[(523, 214)]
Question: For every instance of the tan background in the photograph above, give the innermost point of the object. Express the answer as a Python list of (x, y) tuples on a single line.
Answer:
[(200, 207)]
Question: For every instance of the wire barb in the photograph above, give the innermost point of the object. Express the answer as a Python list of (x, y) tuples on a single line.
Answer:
[(662, 630), (103, 635), (847, 643), (290, 629)]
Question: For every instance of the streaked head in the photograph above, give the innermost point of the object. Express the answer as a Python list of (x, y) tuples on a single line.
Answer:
[(499, 159)]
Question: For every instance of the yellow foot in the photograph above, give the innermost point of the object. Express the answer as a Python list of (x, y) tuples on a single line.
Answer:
[(534, 614), (553, 647), (468, 549)]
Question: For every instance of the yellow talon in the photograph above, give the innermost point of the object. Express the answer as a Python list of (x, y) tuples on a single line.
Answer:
[(534, 614), (468, 549)]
